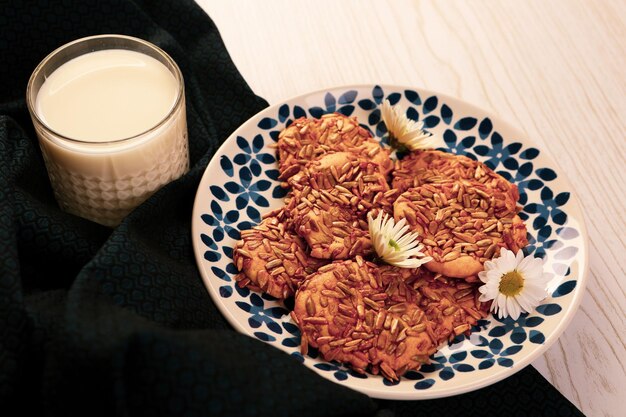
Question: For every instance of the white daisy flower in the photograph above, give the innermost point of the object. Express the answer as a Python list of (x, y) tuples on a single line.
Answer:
[(394, 243), (515, 283), (404, 132)]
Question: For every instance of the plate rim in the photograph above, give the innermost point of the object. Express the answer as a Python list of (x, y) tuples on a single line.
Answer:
[(380, 393)]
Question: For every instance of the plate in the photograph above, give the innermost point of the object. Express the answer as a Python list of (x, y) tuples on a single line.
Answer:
[(240, 185)]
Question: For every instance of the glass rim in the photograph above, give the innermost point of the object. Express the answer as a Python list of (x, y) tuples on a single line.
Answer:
[(56, 135)]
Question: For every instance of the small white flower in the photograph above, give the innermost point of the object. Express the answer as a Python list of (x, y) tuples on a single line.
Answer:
[(515, 283), (393, 243), (403, 131)]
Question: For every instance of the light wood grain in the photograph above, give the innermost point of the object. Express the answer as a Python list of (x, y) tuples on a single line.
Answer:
[(555, 69)]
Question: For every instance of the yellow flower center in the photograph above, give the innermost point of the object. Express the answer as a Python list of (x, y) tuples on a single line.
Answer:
[(394, 244), (511, 283)]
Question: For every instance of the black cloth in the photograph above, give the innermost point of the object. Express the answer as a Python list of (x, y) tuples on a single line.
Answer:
[(103, 322)]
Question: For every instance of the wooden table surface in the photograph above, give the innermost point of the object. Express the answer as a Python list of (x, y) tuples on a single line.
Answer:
[(555, 69)]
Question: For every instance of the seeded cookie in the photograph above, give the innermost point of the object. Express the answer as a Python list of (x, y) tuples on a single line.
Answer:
[(381, 318), (329, 201), (341, 311), (462, 224), (429, 166), (451, 306), (307, 139), (273, 259)]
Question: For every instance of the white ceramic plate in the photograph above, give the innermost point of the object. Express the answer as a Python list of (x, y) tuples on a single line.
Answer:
[(240, 184)]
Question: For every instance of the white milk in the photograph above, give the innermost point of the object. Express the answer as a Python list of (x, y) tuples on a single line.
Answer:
[(110, 104)]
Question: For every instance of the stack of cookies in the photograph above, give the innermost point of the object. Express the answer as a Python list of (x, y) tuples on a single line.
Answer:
[(349, 305)]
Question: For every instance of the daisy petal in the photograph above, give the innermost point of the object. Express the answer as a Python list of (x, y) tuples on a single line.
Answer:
[(525, 297), (512, 307), (406, 132), (394, 243)]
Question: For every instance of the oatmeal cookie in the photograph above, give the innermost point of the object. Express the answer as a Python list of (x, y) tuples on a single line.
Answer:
[(329, 201), (273, 259), (429, 166), (381, 318), (451, 305), (307, 139), (462, 224)]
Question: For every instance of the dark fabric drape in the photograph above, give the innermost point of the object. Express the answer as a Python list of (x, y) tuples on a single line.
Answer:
[(102, 322)]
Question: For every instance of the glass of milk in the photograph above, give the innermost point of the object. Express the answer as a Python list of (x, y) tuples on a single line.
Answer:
[(109, 112)]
